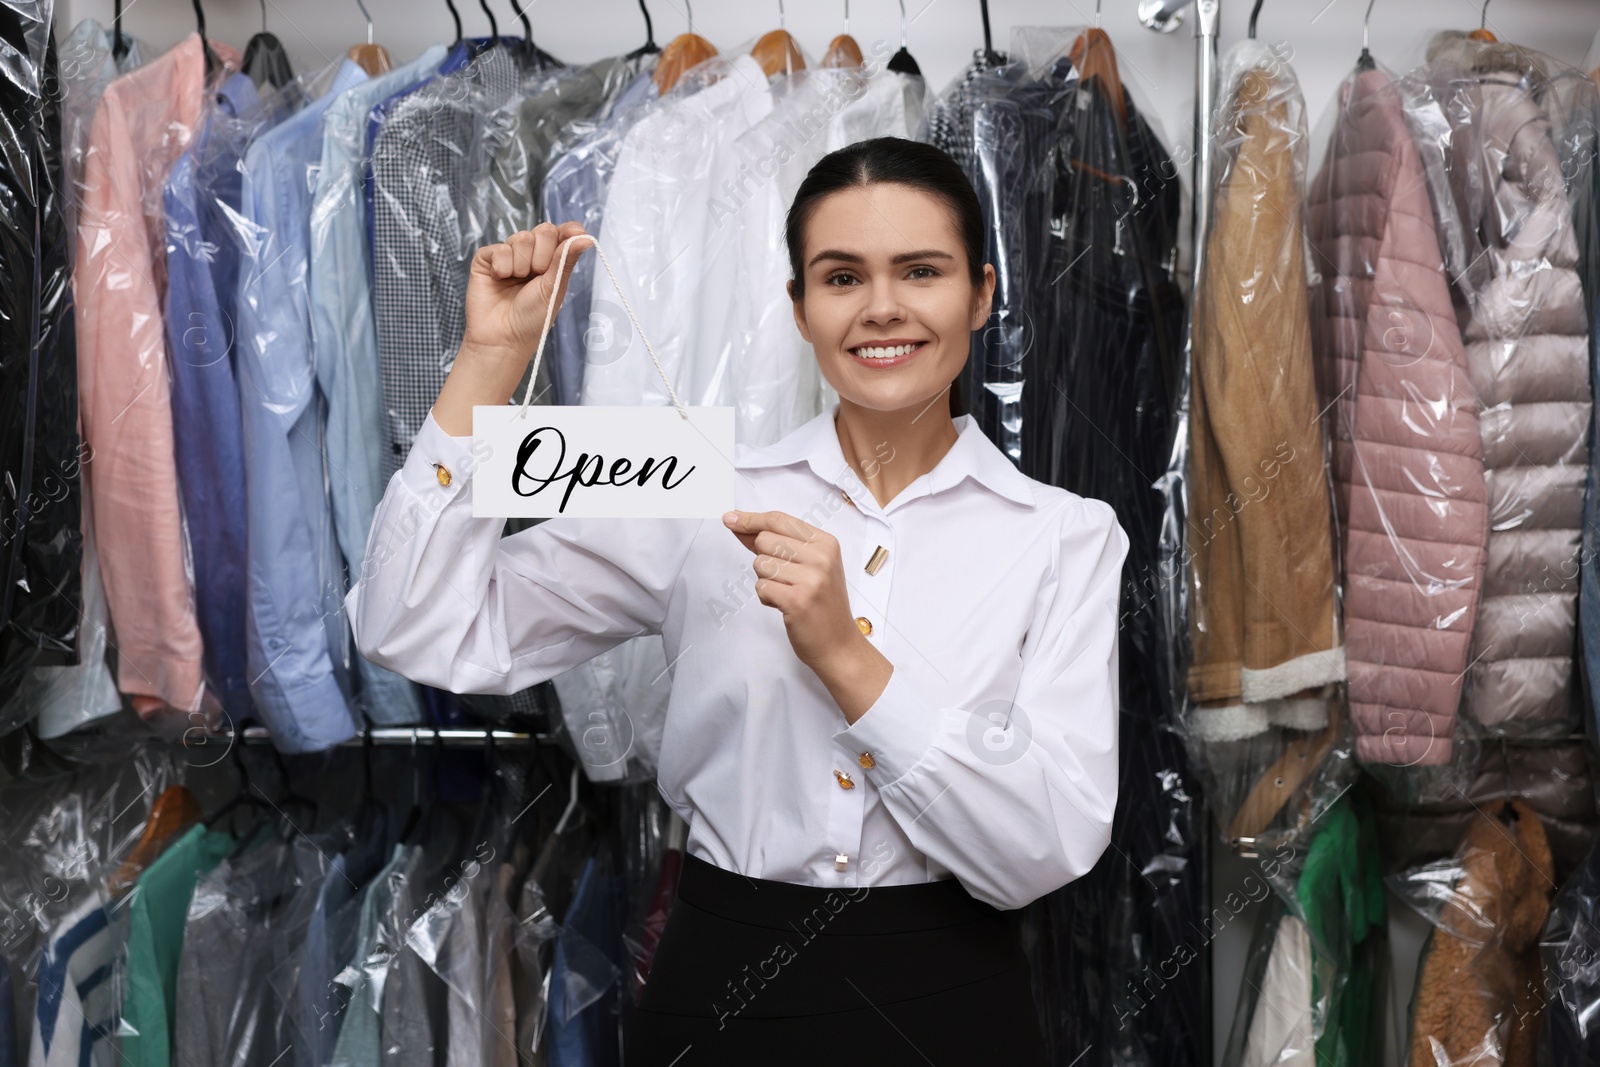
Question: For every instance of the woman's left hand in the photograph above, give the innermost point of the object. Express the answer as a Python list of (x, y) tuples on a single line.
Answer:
[(800, 572)]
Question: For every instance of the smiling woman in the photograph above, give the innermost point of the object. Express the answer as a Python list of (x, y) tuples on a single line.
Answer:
[(871, 794)]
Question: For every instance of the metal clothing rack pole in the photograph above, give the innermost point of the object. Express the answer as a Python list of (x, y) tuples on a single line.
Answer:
[(389, 735), (1209, 15)]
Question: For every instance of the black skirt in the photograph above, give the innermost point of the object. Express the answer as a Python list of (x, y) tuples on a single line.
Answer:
[(755, 971)]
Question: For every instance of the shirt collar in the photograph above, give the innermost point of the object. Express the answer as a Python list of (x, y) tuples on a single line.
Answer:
[(816, 443)]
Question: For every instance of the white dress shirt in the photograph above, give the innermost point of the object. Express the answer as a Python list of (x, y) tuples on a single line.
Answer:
[(992, 750), (776, 384), (677, 262)]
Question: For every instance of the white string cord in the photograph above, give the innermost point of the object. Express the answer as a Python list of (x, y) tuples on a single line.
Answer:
[(550, 315)]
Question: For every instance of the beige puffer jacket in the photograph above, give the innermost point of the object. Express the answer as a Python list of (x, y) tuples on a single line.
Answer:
[(1525, 327)]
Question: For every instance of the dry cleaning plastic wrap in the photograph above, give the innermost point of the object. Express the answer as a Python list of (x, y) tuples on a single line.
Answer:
[(1423, 811), (65, 833), (40, 455), (1570, 983), (1478, 997), (994, 122), (1085, 207), (1313, 990), (1265, 711), (775, 381), (60, 699), (1519, 126), (1401, 410)]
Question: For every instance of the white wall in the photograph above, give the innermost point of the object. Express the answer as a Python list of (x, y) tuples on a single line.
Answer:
[(1325, 34)]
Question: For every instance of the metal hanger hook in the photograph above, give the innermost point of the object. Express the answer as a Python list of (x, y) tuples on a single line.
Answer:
[(782, 24), (1483, 16), (903, 23), (688, 10), (846, 16), (1366, 24), (368, 16), (263, 16), (1097, 14)]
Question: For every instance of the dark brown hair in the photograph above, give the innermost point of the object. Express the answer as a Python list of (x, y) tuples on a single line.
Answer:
[(896, 161)]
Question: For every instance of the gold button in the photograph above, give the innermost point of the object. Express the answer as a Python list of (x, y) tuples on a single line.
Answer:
[(442, 472), (876, 562), (864, 624), (866, 760), (845, 781)]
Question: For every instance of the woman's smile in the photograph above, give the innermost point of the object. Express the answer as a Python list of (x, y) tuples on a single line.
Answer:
[(887, 353)]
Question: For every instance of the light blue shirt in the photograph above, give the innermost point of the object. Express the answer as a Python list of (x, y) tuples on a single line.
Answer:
[(346, 348), (296, 638), (575, 190)]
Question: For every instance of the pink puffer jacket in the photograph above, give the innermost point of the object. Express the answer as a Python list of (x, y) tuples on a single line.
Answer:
[(1525, 326), (1402, 414)]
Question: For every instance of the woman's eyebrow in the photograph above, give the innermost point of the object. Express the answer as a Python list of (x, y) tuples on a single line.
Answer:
[(903, 257)]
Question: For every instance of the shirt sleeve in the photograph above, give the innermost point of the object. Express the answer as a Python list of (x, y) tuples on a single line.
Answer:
[(1015, 798), (447, 601)]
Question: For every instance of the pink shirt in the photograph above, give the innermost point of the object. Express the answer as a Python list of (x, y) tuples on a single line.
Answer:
[(143, 124)]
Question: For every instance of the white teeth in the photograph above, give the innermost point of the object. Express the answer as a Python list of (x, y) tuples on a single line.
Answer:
[(878, 352)]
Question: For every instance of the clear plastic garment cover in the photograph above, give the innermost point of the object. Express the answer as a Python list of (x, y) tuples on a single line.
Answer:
[(40, 544), (1248, 546), (1480, 991), (1076, 376)]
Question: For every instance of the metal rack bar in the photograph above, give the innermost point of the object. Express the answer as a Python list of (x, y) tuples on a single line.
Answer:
[(421, 737)]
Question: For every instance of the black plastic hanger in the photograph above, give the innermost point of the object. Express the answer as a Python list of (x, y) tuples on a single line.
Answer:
[(119, 40), (420, 819), (456, 15), (531, 50), (494, 29), (244, 798), (1253, 13), (1508, 813), (213, 63), (649, 47), (265, 59), (901, 62), (1365, 60), (990, 56)]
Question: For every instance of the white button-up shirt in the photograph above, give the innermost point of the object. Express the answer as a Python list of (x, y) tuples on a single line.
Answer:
[(991, 755)]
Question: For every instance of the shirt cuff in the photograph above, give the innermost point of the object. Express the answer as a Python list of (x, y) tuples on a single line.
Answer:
[(438, 462), (896, 731)]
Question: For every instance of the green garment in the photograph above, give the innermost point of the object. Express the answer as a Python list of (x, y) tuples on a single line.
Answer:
[(1341, 895), (155, 943)]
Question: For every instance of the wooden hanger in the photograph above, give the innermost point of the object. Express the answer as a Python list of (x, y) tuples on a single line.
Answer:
[(372, 58), (843, 50), (174, 811), (683, 52), (777, 51), (1096, 58), (1482, 32)]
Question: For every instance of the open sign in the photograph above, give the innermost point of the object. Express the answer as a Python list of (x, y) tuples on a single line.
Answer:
[(602, 462)]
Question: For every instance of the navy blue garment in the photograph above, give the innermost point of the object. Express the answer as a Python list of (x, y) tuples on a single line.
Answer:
[(1570, 947), (201, 200), (589, 1037), (330, 940)]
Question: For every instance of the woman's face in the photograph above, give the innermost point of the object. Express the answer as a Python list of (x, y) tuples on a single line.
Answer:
[(889, 303)]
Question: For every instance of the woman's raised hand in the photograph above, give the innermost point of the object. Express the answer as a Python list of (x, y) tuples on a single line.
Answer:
[(513, 285)]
